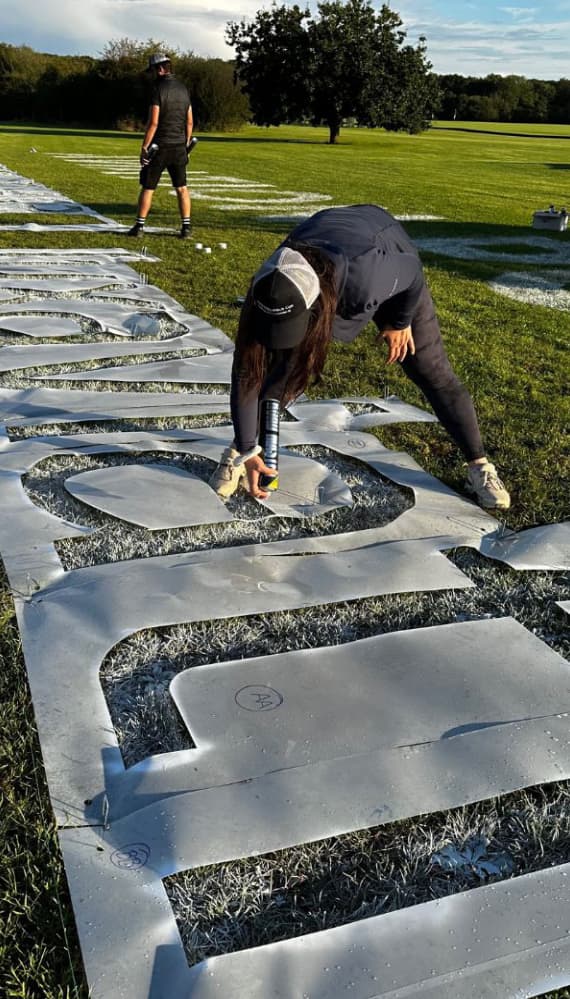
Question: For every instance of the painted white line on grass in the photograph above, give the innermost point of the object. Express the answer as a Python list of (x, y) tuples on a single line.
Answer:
[(209, 187), (541, 249), (535, 289)]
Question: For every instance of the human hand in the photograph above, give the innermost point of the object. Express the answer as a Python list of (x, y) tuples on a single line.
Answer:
[(399, 343), (144, 158), (255, 467)]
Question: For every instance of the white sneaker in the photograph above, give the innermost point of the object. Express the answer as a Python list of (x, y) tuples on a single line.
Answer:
[(487, 488), (227, 476)]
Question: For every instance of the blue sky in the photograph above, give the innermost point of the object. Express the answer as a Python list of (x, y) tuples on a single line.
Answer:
[(471, 38)]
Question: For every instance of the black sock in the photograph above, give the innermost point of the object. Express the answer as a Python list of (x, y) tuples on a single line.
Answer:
[(186, 222)]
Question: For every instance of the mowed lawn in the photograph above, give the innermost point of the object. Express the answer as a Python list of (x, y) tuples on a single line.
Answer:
[(481, 180)]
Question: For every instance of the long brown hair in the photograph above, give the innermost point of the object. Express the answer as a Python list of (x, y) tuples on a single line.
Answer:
[(308, 359)]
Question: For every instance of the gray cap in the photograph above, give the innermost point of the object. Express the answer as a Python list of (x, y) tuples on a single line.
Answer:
[(156, 59)]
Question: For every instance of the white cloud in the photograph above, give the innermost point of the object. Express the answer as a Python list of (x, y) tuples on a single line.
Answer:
[(520, 13), (69, 27), (477, 47), (471, 46)]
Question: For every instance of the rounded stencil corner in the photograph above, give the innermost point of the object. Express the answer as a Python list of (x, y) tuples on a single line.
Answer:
[(157, 497)]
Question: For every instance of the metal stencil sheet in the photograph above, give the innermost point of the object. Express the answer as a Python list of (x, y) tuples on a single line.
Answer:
[(334, 415), (105, 227), (49, 256), (38, 355), (247, 727), (428, 719), (111, 317), (33, 407), (510, 939), (438, 511), (113, 601), (36, 326), (208, 810), (22, 195), (147, 293), (393, 690), (54, 284), (118, 319), (306, 488), (153, 496), (140, 954), (304, 801), (213, 368), (520, 945), (439, 514), (109, 264), (546, 547)]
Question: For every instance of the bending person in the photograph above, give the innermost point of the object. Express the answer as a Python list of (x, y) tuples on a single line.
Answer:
[(334, 273)]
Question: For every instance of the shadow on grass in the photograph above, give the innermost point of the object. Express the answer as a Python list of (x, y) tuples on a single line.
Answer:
[(283, 223), (261, 139), (116, 207), (501, 133), (95, 133), (89, 133)]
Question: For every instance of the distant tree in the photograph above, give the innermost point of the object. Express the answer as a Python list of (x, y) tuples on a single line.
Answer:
[(123, 88), (559, 105), (498, 98), (20, 70), (273, 63), (218, 103), (346, 62)]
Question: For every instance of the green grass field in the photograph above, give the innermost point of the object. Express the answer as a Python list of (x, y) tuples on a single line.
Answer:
[(483, 180)]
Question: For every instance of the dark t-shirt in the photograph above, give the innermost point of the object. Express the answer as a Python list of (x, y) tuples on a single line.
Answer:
[(173, 99)]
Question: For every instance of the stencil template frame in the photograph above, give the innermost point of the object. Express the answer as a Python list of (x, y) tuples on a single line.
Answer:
[(125, 830), (276, 808)]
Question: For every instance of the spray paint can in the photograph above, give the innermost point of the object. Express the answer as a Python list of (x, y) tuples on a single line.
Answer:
[(151, 153), (269, 441)]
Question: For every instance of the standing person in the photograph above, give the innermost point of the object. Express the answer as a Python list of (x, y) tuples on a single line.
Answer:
[(169, 126), (334, 273)]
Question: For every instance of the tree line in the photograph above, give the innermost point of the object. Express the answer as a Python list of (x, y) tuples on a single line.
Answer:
[(345, 64), (504, 98), (112, 91)]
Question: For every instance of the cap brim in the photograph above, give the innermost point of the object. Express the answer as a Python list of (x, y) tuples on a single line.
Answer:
[(279, 334)]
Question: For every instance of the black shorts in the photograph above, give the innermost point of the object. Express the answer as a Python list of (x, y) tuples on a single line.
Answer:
[(171, 158)]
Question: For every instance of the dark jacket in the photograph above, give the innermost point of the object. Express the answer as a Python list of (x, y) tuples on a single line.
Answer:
[(378, 276), (376, 265)]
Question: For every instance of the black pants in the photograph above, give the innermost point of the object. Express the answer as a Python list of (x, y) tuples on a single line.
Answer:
[(429, 368)]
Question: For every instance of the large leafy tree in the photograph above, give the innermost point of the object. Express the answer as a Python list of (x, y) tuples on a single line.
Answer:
[(348, 61), (272, 63)]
